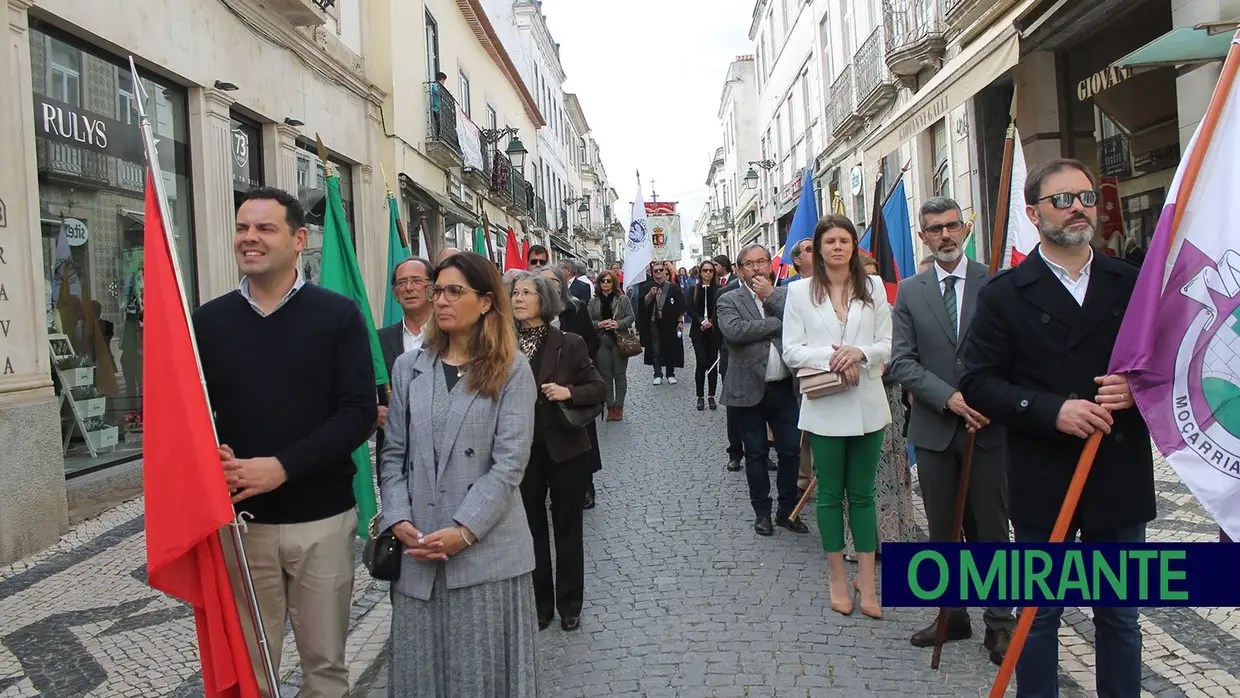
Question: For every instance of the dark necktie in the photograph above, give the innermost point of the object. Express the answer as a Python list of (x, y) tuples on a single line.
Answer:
[(949, 300)]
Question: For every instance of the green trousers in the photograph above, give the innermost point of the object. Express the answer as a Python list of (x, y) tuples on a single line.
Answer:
[(846, 467)]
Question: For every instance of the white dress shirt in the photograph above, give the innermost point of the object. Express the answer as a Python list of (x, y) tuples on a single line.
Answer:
[(411, 341), (244, 289), (962, 265), (776, 369), (1079, 286)]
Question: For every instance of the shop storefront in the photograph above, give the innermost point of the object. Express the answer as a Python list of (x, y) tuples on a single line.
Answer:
[(90, 190)]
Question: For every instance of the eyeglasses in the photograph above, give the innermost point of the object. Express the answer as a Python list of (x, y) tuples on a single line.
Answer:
[(1063, 200), (752, 264), (411, 282), (452, 292), (537, 263), (523, 293), (950, 226)]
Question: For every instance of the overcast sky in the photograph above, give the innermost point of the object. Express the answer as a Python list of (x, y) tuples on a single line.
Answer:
[(652, 108)]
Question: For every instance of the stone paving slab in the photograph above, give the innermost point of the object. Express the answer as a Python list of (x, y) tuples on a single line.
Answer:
[(682, 599)]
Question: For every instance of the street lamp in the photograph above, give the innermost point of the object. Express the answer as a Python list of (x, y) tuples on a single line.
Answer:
[(751, 179), (516, 153)]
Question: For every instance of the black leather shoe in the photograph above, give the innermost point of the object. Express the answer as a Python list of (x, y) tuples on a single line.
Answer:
[(701, 405), (997, 642), (589, 503), (713, 405), (544, 624), (734, 465), (570, 623), (958, 628), (797, 526), (762, 525), (772, 466)]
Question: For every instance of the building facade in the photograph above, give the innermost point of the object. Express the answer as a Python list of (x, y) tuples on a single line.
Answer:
[(71, 298)]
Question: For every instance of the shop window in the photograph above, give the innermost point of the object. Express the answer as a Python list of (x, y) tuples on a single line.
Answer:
[(247, 158), (312, 191), (91, 182), (941, 184)]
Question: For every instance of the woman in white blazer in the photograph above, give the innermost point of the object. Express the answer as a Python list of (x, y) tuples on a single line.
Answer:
[(839, 320)]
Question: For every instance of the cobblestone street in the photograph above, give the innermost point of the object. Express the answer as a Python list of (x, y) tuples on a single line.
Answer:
[(682, 599)]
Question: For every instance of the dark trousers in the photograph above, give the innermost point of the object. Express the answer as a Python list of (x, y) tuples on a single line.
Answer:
[(985, 512), (567, 484), (706, 351), (656, 355), (778, 409), (736, 449), (1117, 635)]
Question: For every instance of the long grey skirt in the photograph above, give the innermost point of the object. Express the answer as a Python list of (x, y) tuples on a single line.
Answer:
[(478, 641)]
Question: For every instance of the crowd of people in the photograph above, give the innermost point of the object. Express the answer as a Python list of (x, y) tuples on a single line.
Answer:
[(497, 383)]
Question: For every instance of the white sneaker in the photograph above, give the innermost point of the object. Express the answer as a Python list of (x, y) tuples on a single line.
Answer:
[(671, 379), (657, 381)]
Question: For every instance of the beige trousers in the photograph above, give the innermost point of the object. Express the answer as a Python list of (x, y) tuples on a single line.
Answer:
[(301, 571), (806, 473)]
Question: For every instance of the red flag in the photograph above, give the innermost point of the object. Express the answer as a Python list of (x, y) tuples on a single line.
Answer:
[(525, 253), (187, 501), (512, 252), (880, 246)]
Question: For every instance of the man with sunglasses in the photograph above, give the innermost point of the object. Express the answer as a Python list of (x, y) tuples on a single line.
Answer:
[(1036, 362), (538, 258), (930, 321)]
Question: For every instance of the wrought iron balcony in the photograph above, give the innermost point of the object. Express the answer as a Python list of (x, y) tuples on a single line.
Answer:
[(842, 113), (540, 213), (480, 180), (443, 143), (874, 87), (518, 192), (916, 37), (501, 177), (56, 158), (1115, 156)]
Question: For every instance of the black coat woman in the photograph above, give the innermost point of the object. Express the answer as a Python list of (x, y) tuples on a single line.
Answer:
[(703, 333), (661, 307), (560, 454)]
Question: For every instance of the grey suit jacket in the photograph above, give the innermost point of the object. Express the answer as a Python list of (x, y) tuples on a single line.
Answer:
[(488, 446), (748, 337), (926, 356)]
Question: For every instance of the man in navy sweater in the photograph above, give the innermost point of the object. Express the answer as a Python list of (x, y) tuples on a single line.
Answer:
[(290, 378)]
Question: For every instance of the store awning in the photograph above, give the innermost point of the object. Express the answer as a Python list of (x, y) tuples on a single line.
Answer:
[(976, 66), (451, 210), (1180, 46), (560, 243)]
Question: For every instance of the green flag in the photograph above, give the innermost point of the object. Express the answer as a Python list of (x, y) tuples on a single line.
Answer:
[(341, 274), (397, 253), (480, 241), (970, 249)]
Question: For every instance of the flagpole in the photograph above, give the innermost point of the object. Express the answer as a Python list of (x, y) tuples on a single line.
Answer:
[(237, 524), (997, 235), (1068, 510)]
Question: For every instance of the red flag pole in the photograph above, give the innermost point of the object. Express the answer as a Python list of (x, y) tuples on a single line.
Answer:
[(1086, 462), (236, 526)]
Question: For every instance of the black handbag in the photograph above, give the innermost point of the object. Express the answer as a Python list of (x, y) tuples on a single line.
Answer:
[(382, 555), (576, 417)]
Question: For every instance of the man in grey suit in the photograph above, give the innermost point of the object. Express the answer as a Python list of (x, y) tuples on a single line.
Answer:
[(929, 325), (409, 281), (759, 387)]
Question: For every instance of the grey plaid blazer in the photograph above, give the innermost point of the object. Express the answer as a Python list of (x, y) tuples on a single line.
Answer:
[(488, 446)]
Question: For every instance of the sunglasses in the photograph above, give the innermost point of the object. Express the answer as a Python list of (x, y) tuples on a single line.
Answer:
[(537, 263), (1063, 200)]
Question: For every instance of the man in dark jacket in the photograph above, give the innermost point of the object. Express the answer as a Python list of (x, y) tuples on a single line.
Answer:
[(1036, 362), (409, 282), (661, 308)]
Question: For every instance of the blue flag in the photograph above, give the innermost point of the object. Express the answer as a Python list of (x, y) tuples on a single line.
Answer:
[(896, 218), (805, 218)]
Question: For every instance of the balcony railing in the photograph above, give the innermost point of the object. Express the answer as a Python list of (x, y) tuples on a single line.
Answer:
[(540, 213), (517, 190), (1116, 159), (843, 99), (916, 37), (130, 175), (501, 175), (959, 14), (874, 87), (442, 140), (64, 159)]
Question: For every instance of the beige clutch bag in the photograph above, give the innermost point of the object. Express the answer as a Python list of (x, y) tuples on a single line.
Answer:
[(816, 382)]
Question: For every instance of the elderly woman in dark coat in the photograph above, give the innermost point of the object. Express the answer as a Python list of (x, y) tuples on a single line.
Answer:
[(560, 455), (660, 313)]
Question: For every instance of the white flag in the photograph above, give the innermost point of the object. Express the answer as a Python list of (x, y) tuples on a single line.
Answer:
[(639, 249), (1022, 235)]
